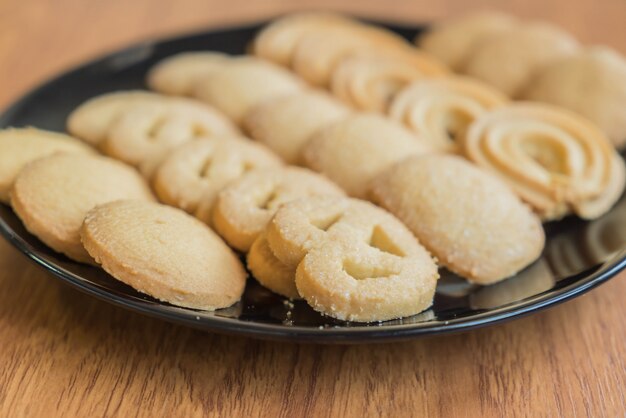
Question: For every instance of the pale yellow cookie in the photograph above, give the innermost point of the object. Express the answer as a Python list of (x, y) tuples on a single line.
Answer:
[(452, 41), (19, 146), (165, 253), (368, 80), (553, 159), (440, 110), (269, 271), (469, 219), (277, 41), (245, 206), (354, 150), (199, 169), (91, 121), (509, 59), (51, 196), (243, 83), (286, 123), (591, 83), (145, 133), (179, 73)]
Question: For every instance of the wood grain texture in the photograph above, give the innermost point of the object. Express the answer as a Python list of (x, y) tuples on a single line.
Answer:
[(63, 353)]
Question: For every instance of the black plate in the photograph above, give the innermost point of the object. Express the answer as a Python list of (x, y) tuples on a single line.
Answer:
[(578, 256)]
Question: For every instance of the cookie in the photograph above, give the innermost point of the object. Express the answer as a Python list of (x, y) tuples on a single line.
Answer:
[(591, 83), (354, 261), (243, 83), (165, 253), (317, 53), (555, 160), (19, 146), (52, 195), (467, 218), (199, 169), (452, 41), (179, 73), (277, 41), (369, 80), (145, 133), (286, 123), (269, 271), (509, 60), (92, 120), (245, 206), (440, 110), (354, 150)]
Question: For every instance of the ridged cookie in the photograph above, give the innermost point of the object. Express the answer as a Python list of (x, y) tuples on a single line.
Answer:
[(269, 271), (179, 73), (354, 150), (165, 253), (19, 146), (53, 194), (286, 123), (467, 218)]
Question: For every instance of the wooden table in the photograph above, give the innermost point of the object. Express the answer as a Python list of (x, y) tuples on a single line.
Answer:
[(64, 353)]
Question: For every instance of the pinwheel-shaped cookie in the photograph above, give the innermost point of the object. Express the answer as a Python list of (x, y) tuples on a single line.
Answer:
[(556, 161)]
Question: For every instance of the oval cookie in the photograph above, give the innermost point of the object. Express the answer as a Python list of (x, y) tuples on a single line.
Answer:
[(165, 253), (199, 169), (245, 206), (354, 150), (53, 194), (19, 146), (467, 218), (286, 123)]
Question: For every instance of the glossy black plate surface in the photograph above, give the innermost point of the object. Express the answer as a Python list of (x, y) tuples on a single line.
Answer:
[(578, 256)]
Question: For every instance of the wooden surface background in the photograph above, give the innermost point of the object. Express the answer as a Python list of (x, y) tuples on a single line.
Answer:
[(64, 353)]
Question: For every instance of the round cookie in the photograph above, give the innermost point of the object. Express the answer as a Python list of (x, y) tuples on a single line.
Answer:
[(243, 83), (591, 83), (555, 160), (467, 218), (286, 123), (179, 73), (51, 196), (199, 169), (165, 253), (269, 271), (354, 150), (452, 41), (145, 133), (244, 207), (92, 120), (440, 110), (509, 60), (19, 146)]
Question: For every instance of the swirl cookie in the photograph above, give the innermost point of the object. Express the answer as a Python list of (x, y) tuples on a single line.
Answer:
[(369, 80), (591, 83), (245, 206), (453, 41), (19, 146), (270, 271), (92, 120), (277, 41), (199, 169), (509, 60), (441, 109), (144, 134), (556, 161), (243, 83), (353, 260), (53, 194), (286, 123), (179, 73), (165, 253), (354, 150), (468, 219)]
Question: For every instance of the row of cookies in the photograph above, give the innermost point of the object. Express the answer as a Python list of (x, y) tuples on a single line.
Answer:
[(100, 211), (531, 60)]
